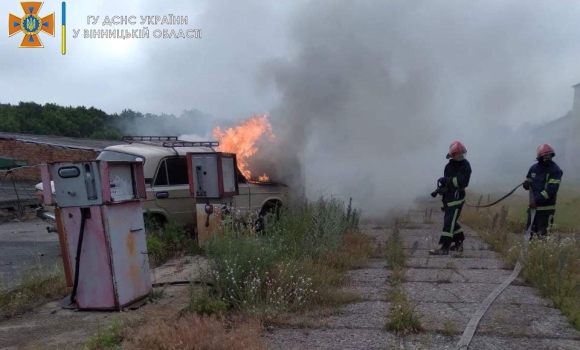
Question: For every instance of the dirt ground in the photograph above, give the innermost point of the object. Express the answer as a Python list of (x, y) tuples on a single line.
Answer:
[(52, 327)]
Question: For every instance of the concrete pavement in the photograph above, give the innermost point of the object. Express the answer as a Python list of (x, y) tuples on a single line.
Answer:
[(25, 247), (446, 291)]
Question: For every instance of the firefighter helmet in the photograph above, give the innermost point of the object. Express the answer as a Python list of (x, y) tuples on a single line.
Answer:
[(545, 149), (456, 147)]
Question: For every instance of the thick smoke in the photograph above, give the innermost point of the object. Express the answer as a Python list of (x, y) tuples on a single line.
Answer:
[(376, 91), (372, 93)]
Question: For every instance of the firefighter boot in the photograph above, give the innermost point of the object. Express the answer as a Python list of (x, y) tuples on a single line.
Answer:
[(458, 242), (442, 248)]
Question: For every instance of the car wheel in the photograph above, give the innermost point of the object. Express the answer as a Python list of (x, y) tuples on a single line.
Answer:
[(155, 221), (270, 212)]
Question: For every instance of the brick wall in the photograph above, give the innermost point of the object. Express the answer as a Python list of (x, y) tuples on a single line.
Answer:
[(35, 154)]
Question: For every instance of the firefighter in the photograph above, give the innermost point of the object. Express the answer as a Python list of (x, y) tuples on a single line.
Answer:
[(543, 180), (452, 189)]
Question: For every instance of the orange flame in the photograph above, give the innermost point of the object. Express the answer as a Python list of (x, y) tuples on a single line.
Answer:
[(241, 140)]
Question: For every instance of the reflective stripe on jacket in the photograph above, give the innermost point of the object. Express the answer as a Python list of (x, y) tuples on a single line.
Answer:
[(545, 178)]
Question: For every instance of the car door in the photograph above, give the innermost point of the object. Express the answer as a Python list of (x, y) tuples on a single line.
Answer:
[(171, 188)]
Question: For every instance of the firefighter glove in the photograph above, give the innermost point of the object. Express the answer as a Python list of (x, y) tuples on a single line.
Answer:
[(442, 181), (526, 185), (533, 205)]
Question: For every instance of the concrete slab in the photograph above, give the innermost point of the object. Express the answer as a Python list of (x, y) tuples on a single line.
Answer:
[(367, 293), (470, 293), (425, 341), (419, 252), (430, 232), (526, 320), (419, 243), (447, 261), (365, 315), (417, 233), (445, 317), (376, 264), (522, 295), (456, 276), (368, 277), (188, 268), (329, 339), (486, 342)]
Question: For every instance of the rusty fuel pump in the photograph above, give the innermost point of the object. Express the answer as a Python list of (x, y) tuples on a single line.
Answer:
[(101, 231), (213, 183)]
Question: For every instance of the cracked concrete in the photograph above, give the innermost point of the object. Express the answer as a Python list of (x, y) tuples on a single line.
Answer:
[(447, 290)]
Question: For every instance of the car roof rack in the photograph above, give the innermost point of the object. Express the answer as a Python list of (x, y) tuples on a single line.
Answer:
[(150, 138), (171, 141), (191, 144)]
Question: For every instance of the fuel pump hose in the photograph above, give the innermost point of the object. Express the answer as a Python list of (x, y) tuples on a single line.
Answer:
[(84, 214)]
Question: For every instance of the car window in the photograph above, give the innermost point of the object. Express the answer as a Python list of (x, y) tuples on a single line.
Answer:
[(118, 156), (177, 171), (161, 178), (172, 171)]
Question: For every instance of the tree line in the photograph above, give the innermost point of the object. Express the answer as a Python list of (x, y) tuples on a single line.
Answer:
[(83, 122)]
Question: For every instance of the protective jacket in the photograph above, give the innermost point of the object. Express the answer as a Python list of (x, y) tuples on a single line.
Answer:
[(456, 175), (545, 180)]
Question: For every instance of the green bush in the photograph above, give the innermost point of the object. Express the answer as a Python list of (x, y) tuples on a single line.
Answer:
[(264, 274), (168, 242), (202, 303)]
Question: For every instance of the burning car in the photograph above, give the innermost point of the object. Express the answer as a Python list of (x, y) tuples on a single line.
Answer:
[(166, 178), (166, 174)]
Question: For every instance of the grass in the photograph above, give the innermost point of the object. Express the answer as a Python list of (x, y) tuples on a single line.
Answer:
[(199, 333), (110, 337), (291, 266), (553, 266), (449, 328), (171, 241), (255, 279), (403, 318), (37, 287)]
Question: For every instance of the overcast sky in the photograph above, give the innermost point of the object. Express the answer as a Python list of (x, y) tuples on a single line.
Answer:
[(383, 85), (217, 73)]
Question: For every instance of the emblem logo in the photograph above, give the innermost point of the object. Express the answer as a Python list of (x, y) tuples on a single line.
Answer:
[(31, 24)]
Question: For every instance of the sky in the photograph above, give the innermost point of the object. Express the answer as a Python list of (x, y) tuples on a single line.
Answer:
[(364, 97), (215, 74)]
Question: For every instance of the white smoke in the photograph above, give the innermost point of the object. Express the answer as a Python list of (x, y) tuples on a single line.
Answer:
[(377, 91)]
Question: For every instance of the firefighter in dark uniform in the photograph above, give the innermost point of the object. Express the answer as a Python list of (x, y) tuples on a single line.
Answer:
[(543, 180), (452, 189)]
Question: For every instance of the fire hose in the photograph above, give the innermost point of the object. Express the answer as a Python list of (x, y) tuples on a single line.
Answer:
[(439, 190), (469, 331), (497, 201)]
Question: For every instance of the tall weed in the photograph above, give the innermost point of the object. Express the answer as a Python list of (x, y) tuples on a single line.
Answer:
[(272, 272)]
